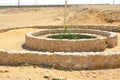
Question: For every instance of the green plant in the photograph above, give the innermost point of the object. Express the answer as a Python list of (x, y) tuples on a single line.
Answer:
[(71, 36), (65, 30)]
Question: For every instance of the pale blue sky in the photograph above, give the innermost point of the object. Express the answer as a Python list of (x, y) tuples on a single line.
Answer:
[(32, 2)]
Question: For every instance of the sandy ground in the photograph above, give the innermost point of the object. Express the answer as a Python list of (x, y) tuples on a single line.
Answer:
[(83, 14), (36, 73), (15, 38)]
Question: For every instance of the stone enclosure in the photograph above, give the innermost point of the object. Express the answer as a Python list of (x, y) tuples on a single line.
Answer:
[(37, 41), (67, 60)]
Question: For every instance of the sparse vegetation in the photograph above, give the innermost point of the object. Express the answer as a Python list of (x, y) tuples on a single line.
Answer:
[(71, 36)]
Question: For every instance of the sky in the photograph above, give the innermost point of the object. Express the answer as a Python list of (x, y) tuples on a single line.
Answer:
[(46, 2)]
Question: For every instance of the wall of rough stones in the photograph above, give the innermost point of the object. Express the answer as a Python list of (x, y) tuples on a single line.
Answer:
[(37, 41), (97, 27), (58, 60), (61, 60)]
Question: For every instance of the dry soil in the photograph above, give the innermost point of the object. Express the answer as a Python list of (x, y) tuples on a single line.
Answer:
[(82, 14)]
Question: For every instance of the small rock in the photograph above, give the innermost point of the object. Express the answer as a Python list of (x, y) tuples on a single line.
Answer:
[(94, 76), (26, 64), (87, 75), (93, 72), (68, 79), (63, 78), (29, 78), (47, 76), (71, 70), (55, 78), (6, 71), (58, 78), (34, 66)]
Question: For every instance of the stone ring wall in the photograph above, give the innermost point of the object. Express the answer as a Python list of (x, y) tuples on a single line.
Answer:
[(37, 41), (63, 60)]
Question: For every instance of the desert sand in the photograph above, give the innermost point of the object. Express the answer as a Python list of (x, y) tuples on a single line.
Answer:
[(82, 14), (37, 73)]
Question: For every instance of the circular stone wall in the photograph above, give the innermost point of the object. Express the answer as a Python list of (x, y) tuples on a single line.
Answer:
[(38, 41), (66, 60)]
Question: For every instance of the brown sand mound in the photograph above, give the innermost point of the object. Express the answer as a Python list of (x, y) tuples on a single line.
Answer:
[(94, 16), (110, 16)]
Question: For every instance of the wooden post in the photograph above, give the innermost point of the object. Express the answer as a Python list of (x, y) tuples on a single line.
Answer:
[(18, 4), (36, 3), (65, 13), (113, 2)]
